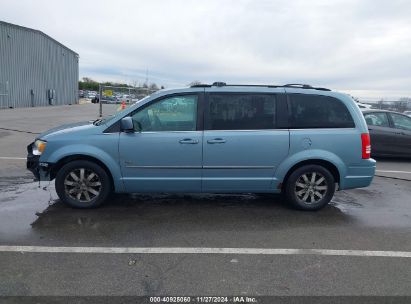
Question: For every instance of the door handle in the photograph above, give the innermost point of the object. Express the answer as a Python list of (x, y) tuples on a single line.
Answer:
[(188, 141), (216, 141)]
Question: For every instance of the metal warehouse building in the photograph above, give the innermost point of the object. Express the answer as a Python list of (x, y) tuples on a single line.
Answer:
[(35, 69)]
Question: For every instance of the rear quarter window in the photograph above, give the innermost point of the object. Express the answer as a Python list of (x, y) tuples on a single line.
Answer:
[(316, 111)]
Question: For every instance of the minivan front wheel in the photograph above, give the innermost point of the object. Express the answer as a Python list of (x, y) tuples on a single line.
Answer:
[(310, 187), (82, 184)]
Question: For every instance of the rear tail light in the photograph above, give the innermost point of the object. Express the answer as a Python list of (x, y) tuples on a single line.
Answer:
[(366, 145)]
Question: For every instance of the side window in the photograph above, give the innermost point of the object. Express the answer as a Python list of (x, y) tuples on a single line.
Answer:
[(377, 119), (401, 121), (177, 113), (241, 112), (315, 111)]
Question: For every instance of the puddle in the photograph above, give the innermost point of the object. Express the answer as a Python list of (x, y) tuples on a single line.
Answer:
[(20, 205)]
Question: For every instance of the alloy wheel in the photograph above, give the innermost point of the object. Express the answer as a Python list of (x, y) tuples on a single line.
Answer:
[(311, 187), (82, 185)]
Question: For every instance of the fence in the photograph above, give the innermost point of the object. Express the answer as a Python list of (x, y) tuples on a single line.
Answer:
[(121, 95), (395, 105)]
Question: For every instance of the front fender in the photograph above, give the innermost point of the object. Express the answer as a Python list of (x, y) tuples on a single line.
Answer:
[(91, 151), (314, 154)]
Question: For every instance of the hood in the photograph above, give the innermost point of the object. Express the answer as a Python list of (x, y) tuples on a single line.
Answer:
[(68, 128)]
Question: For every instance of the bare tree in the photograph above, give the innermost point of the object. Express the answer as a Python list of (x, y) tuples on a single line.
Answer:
[(195, 82), (135, 83), (380, 103), (153, 87)]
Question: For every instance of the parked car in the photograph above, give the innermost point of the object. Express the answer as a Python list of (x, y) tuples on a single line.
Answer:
[(109, 99), (294, 139), (91, 95), (363, 105), (390, 133), (125, 98), (408, 113)]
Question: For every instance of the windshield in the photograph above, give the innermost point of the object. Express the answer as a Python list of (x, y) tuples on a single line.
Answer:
[(108, 119)]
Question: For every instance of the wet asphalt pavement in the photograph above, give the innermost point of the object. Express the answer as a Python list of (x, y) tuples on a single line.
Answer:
[(365, 219), (373, 218)]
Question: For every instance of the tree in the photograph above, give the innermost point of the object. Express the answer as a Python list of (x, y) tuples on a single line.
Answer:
[(193, 83), (404, 103), (380, 103), (86, 83), (153, 87)]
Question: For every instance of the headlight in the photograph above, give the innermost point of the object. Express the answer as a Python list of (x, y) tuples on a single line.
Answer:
[(39, 147)]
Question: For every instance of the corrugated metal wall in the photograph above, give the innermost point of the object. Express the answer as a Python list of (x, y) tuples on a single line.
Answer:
[(32, 63)]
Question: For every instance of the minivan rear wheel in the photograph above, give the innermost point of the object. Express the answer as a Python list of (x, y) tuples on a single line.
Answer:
[(310, 187), (82, 184)]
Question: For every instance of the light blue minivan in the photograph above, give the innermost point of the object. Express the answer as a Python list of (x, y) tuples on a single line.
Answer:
[(302, 141)]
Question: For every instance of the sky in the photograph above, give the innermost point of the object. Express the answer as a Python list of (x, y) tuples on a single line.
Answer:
[(362, 47)]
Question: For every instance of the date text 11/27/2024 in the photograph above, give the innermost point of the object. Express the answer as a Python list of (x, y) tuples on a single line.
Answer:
[(205, 299)]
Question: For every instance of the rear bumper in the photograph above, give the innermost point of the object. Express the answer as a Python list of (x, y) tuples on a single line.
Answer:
[(40, 170), (359, 176)]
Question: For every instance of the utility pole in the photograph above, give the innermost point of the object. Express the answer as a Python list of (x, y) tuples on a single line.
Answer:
[(100, 97), (147, 82)]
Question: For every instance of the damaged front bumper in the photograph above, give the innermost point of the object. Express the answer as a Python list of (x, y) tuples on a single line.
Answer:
[(40, 170)]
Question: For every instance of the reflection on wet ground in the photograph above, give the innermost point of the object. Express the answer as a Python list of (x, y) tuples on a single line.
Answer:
[(32, 214)]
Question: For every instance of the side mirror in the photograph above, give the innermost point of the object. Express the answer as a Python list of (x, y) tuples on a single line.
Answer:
[(127, 125)]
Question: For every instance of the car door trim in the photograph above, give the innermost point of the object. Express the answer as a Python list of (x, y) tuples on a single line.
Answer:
[(162, 132), (200, 167), (238, 167), (163, 167)]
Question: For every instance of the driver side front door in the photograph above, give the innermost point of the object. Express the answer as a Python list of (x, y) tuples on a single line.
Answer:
[(164, 154)]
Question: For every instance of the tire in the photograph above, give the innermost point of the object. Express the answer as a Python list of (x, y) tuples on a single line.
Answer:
[(302, 193), (82, 184)]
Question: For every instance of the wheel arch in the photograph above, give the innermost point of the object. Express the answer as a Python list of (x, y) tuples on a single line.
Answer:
[(67, 159), (321, 162)]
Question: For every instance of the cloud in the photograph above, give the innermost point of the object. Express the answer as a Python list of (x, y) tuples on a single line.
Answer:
[(356, 46)]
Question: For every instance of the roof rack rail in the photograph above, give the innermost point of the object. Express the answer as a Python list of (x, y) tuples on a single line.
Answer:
[(298, 85), (223, 84), (290, 85), (201, 85), (304, 86)]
